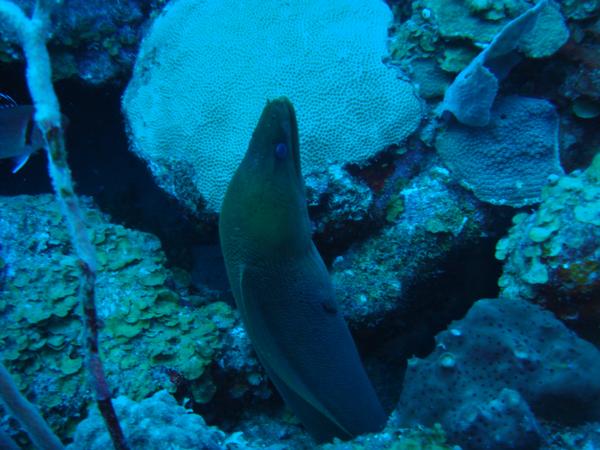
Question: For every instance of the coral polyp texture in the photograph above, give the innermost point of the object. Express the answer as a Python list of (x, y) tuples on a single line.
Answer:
[(552, 255), (206, 69), (508, 161)]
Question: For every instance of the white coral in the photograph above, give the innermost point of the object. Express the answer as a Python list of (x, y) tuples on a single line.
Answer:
[(206, 69)]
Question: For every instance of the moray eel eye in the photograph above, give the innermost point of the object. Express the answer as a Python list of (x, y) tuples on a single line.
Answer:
[(281, 151)]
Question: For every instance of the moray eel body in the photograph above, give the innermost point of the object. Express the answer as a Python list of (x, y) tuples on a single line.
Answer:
[(283, 290)]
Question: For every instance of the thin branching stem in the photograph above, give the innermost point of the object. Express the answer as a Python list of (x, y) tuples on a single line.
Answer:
[(32, 34)]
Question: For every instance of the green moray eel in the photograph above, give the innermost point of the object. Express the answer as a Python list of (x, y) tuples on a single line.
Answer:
[(283, 290)]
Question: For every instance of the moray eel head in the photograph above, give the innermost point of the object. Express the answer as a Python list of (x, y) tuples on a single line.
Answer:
[(266, 195)]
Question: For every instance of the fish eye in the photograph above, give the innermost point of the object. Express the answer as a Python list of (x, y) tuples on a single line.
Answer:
[(281, 150)]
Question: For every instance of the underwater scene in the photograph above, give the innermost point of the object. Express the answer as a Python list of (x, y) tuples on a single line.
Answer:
[(300, 224)]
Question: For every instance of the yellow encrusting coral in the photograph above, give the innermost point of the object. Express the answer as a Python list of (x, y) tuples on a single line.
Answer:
[(149, 338)]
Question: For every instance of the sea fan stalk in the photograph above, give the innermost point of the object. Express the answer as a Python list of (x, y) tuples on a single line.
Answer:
[(31, 34), (27, 415)]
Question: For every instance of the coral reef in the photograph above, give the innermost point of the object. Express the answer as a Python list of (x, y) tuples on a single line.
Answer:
[(26, 414), (239, 363), (431, 79), (509, 161), (432, 40), (340, 205), (93, 40), (32, 35), (393, 438), (502, 344), (457, 19), (447, 35), (193, 135), (150, 425), (585, 437), (552, 255), (579, 10), (373, 278), (537, 33), (506, 422), (40, 327), (409, 240)]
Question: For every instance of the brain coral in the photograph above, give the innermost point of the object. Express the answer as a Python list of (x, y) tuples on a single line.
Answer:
[(206, 69)]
